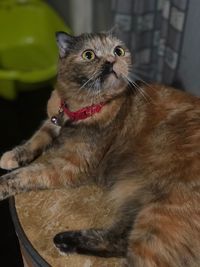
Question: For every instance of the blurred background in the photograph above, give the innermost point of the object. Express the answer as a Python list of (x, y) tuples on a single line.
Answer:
[(163, 36)]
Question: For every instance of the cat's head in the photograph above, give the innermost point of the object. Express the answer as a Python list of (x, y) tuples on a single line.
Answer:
[(95, 66)]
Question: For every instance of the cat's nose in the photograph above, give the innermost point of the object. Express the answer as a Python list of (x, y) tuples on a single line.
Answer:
[(108, 66)]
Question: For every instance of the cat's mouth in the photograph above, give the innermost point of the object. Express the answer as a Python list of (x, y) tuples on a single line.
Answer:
[(108, 76), (104, 76), (107, 70)]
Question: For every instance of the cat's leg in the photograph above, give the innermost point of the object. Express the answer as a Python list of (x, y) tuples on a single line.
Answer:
[(109, 242), (32, 177), (23, 154), (96, 242), (113, 240), (47, 172)]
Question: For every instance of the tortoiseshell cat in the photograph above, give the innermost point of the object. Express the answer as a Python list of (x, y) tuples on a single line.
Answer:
[(142, 146)]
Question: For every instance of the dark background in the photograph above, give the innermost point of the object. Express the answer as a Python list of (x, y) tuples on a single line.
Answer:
[(18, 120)]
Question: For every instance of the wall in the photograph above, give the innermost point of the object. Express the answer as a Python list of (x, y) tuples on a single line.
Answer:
[(189, 66), (76, 13), (85, 15)]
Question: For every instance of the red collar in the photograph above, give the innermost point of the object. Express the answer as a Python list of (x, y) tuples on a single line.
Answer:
[(83, 113)]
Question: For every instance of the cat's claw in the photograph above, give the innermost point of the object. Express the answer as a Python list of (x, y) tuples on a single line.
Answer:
[(8, 161)]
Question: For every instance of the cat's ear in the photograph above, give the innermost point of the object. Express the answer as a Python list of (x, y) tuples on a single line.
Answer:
[(64, 41)]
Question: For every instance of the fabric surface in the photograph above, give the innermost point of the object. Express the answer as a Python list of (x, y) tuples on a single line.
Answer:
[(154, 31), (44, 214)]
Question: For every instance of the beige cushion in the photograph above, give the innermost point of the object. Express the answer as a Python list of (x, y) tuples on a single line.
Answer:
[(44, 214)]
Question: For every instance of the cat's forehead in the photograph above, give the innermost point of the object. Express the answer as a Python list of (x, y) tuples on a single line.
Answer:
[(101, 43)]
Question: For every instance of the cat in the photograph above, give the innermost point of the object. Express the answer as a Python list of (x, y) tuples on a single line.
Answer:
[(141, 143)]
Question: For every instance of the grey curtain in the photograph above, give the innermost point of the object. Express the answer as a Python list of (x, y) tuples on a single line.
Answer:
[(154, 31)]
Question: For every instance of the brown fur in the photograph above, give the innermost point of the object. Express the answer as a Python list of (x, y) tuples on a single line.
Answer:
[(143, 148)]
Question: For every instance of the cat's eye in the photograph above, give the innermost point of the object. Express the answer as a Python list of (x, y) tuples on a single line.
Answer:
[(119, 51), (88, 55)]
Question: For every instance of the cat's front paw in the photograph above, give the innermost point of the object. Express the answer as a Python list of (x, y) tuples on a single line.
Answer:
[(8, 161)]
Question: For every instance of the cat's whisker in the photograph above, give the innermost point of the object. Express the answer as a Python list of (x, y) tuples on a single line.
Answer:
[(131, 85), (91, 92), (139, 89), (140, 73), (83, 86), (98, 91), (144, 82), (98, 94), (142, 92), (93, 77), (140, 79)]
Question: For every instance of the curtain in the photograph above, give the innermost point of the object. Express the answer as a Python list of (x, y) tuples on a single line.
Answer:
[(154, 32)]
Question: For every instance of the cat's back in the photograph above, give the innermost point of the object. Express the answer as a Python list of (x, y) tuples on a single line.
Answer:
[(167, 153), (157, 105), (166, 98), (179, 111), (164, 131)]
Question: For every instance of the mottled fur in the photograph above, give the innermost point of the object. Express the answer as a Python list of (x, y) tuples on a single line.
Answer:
[(143, 148)]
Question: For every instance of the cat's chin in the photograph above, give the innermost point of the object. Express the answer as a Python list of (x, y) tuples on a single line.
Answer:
[(114, 82), (115, 75)]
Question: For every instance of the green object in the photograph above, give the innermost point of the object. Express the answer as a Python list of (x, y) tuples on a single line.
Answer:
[(28, 51)]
